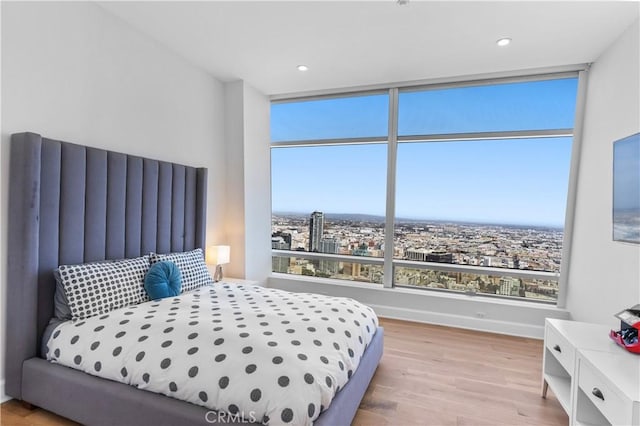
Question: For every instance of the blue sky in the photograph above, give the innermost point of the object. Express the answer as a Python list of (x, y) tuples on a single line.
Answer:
[(510, 181)]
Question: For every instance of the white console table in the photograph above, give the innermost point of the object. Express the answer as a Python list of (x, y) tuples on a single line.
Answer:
[(595, 381)]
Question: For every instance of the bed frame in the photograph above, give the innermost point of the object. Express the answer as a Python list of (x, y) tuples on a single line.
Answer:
[(72, 204)]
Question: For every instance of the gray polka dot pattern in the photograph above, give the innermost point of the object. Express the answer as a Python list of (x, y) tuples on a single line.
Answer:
[(97, 288), (192, 267), (234, 348)]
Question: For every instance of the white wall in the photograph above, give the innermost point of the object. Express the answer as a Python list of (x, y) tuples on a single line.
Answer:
[(72, 71), (605, 275), (234, 200), (257, 179), (248, 201)]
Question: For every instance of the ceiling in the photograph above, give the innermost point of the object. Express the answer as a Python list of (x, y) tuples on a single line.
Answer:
[(357, 43)]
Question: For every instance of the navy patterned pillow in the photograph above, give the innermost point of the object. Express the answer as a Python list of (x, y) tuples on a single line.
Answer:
[(194, 271), (97, 288)]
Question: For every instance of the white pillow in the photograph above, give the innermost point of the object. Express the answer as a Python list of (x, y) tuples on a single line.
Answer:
[(97, 288)]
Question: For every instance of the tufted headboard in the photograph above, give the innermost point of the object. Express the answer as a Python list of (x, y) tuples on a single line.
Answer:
[(73, 204)]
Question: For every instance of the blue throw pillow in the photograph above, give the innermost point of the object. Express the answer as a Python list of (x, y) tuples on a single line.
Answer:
[(163, 280)]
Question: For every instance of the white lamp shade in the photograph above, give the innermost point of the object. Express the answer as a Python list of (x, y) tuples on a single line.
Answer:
[(218, 255)]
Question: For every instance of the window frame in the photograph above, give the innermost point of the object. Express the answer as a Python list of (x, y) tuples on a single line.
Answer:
[(393, 139)]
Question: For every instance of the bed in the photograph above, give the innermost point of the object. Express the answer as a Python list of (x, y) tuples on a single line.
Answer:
[(73, 204)]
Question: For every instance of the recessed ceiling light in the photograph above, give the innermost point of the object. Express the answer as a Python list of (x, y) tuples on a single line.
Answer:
[(402, 2), (503, 42), (303, 68)]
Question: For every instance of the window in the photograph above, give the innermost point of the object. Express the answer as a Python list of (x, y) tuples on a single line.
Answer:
[(333, 118), (479, 184), (489, 203), (329, 198), (532, 105)]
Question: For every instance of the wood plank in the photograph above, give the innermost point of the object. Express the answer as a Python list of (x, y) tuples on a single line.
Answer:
[(14, 413), (455, 376), (429, 375)]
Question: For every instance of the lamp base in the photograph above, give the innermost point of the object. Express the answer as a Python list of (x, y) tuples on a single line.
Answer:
[(217, 276)]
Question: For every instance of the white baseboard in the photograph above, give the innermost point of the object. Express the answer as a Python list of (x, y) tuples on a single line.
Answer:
[(459, 321)]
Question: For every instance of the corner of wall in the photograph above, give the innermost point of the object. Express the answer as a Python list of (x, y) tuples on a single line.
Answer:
[(257, 179), (604, 274), (248, 201), (234, 222)]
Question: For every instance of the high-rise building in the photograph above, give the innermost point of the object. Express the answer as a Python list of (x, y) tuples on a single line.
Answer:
[(316, 229), (329, 245), (332, 246)]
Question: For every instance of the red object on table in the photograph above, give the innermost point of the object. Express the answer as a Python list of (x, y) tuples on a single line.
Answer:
[(633, 347)]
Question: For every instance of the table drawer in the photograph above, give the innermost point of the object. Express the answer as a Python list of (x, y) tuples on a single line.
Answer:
[(560, 348), (614, 407)]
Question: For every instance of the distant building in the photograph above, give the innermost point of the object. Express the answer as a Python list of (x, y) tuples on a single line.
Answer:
[(440, 257), (316, 229), (352, 269), (279, 243), (509, 286), (424, 255), (362, 250), (280, 264), (286, 236), (419, 255), (331, 246)]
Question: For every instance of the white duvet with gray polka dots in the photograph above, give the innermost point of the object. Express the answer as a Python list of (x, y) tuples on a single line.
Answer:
[(269, 355)]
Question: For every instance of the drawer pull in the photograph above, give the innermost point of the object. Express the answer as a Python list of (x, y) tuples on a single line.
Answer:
[(597, 393), (557, 348)]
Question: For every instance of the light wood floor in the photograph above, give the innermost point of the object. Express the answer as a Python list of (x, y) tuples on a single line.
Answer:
[(429, 375)]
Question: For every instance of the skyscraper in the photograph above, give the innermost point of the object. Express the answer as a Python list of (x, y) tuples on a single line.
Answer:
[(316, 229), (332, 246), (329, 245)]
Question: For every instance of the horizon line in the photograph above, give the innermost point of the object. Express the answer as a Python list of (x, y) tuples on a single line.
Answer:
[(459, 221)]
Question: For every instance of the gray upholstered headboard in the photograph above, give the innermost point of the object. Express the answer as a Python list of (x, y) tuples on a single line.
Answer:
[(72, 204)]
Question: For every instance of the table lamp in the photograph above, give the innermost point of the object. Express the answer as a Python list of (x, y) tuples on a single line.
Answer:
[(218, 255)]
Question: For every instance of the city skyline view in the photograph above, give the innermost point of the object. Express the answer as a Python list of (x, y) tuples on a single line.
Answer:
[(480, 179), (490, 246), (364, 236), (359, 217)]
